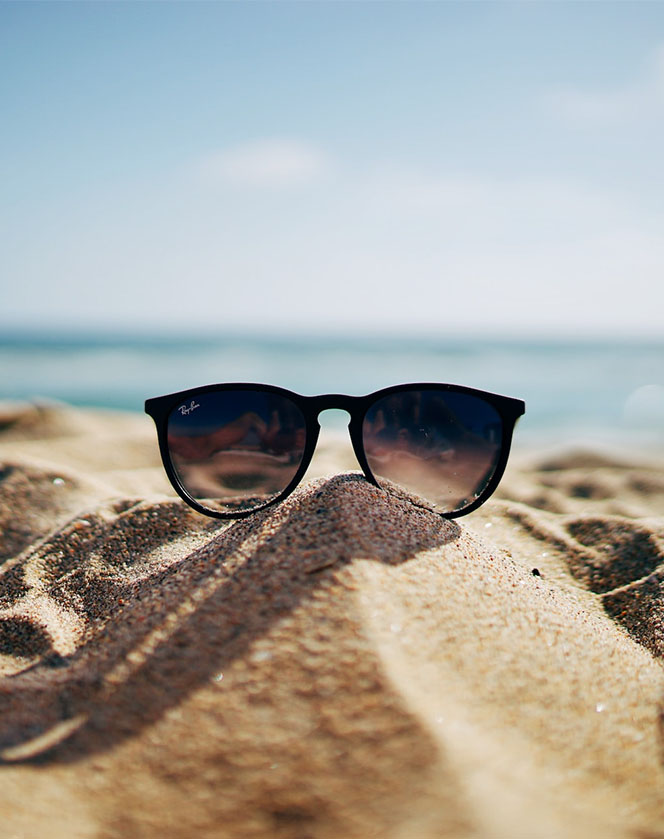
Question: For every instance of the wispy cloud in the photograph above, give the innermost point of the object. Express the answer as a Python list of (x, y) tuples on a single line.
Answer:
[(642, 97), (270, 163)]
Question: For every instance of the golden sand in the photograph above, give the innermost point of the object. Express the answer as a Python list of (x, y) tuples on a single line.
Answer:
[(343, 665)]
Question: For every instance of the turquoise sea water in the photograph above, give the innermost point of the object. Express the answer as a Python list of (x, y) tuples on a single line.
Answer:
[(575, 391)]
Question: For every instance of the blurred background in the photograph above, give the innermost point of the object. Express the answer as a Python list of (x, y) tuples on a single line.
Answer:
[(337, 196)]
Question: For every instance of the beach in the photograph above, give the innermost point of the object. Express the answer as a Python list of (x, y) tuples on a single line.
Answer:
[(344, 664)]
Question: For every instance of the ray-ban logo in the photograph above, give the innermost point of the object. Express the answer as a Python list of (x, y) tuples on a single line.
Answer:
[(188, 409)]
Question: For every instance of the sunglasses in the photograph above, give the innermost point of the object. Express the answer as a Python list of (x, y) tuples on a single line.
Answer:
[(232, 449)]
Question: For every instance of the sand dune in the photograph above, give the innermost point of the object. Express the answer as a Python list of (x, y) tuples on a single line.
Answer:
[(342, 665)]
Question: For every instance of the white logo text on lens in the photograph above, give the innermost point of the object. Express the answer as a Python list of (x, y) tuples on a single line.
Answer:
[(188, 409)]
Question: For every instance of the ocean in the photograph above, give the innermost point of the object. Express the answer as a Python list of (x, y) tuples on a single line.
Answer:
[(583, 392)]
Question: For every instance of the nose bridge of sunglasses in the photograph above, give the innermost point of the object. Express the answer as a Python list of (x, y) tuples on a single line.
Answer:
[(334, 451), (334, 402)]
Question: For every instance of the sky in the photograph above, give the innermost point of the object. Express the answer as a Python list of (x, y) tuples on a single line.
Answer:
[(406, 168)]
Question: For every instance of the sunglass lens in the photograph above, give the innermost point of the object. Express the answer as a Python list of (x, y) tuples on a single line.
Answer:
[(236, 450), (441, 446)]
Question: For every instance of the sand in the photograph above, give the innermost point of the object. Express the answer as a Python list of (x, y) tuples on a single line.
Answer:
[(342, 665)]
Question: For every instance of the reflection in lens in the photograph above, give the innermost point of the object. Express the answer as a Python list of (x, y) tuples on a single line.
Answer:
[(236, 450), (438, 445)]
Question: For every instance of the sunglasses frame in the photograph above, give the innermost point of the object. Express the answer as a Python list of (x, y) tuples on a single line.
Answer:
[(160, 408)]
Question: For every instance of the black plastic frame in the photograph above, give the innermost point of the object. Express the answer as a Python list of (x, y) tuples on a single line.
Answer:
[(160, 407)]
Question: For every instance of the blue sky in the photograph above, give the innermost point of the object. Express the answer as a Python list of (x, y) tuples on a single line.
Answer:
[(409, 167)]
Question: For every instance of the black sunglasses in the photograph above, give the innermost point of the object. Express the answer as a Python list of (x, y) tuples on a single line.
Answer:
[(232, 449)]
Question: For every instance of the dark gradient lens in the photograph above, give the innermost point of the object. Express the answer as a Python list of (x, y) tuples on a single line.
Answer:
[(236, 450), (440, 446)]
